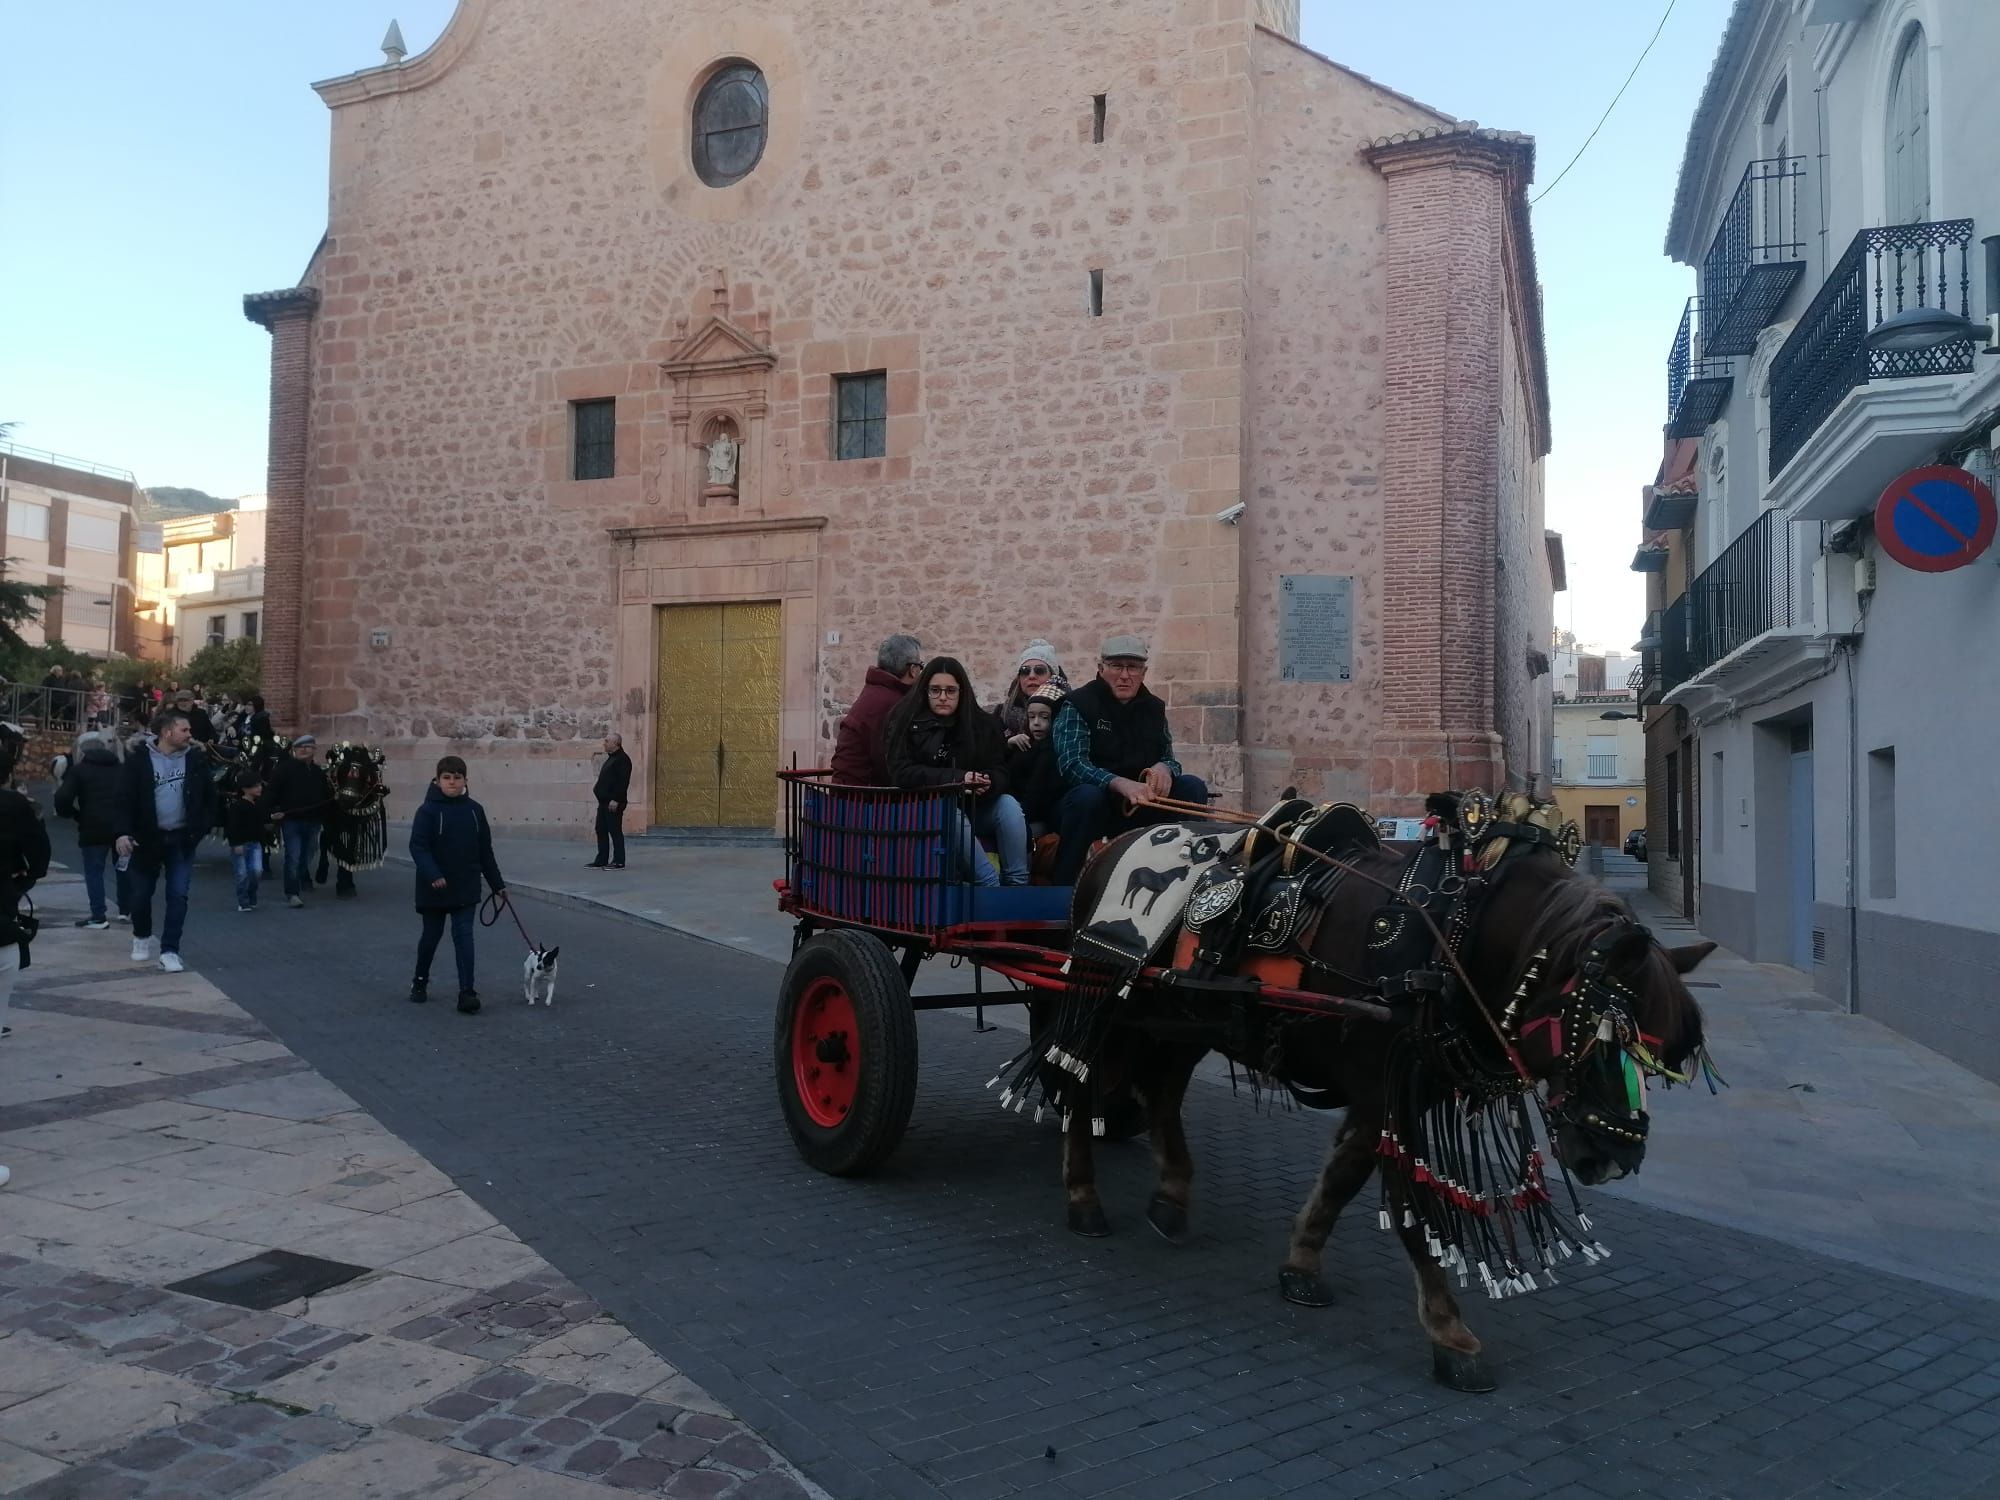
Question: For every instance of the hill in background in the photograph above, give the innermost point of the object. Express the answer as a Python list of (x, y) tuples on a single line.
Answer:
[(163, 502)]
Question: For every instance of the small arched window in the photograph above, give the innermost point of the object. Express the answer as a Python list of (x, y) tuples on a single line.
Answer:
[(1908, 175), (731, 120)]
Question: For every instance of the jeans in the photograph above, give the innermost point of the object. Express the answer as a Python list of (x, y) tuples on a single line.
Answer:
[(1000, 825), (301, 844), (95, 856), (461, 943), (175, 856), (610, 836), (10, 970), (248, 861), (1089, 813)]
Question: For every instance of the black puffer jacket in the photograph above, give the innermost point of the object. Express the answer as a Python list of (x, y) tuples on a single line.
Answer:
[(89, 793), (928, 753)]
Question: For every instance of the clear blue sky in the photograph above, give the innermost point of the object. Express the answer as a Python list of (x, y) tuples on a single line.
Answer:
[(174, 158)]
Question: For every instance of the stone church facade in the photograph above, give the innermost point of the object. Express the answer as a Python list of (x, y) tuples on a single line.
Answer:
[(660, 359)]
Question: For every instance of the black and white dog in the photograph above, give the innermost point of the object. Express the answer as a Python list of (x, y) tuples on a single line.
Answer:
[(538, 975)]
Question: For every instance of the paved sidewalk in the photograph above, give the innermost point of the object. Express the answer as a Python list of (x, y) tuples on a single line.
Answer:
[(155, 1132), (1836, 1134)]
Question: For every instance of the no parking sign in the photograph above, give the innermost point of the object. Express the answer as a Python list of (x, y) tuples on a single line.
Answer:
[(1935, 519)]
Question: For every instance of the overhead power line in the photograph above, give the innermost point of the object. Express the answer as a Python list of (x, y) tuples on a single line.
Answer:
[(1609, 107)]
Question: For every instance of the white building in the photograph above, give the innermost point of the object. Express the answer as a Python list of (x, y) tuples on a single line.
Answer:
[(1834, 703), (202, 578)]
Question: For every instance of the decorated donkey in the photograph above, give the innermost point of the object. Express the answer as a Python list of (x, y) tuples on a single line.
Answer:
[(1519, 992)]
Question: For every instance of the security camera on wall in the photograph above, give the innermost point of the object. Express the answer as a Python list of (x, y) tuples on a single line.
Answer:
[(1232, 515)]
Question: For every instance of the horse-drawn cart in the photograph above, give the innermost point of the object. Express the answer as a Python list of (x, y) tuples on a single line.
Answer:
[(869, 874)]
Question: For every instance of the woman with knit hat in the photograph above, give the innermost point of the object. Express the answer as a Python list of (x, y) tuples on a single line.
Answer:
[(1036, 667)]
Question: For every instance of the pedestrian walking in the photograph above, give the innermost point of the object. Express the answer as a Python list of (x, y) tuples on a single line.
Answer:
[(614, 784), (245, 822), (451, 844), (89, 794), (24, 859), (165, 808), (302, 795)]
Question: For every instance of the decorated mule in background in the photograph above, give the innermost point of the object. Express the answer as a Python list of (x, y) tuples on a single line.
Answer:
[(1524, 1001), (355, 831)]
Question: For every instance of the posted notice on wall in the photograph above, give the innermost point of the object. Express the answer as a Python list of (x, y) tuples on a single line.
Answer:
[(1315, 627)]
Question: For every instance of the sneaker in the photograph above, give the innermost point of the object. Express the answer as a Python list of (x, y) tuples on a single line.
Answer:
[(295, 902), (619, 865), (420, 991), (122, 918), (246, 908), (145, 950), (171, 962), (95, 924), (597, 864), (5, 1176), (468, 1002)]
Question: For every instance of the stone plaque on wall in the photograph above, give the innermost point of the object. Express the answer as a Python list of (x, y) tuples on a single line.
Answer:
[(1315, 627)]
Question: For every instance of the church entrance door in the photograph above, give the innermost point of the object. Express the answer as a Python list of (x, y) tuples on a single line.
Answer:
[(719, 689)]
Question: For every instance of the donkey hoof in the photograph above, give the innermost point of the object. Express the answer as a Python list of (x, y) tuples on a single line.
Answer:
[(1169, 1218), (1462, 1372), (1304, 1288), (1087, 1219)]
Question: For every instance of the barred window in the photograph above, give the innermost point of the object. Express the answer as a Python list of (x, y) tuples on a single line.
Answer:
[(861, 415), (594, 429)]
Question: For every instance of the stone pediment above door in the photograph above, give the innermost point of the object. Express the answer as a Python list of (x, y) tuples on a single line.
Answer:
[(718, 347)]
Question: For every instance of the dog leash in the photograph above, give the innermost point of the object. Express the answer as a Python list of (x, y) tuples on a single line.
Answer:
[(499, 902)]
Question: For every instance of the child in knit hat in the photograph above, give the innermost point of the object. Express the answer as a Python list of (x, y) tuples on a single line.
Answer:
[(1032, 770), (1037, 666)]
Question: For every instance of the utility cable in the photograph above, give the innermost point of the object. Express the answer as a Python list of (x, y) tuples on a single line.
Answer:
[(1609, 107)]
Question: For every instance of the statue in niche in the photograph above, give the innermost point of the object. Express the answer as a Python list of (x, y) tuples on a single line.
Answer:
[(723, 454)]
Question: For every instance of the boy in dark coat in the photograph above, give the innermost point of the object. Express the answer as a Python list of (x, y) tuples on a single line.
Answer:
[(451, 845), (246, 823)]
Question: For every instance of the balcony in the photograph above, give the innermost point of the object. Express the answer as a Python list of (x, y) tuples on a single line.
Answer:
[(1749, 626), (1673, 650), (1644, 681), (1697, 386), (1756, 258), (1826, 367)]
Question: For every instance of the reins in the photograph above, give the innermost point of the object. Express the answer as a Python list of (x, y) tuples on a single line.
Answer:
[(1235, 815)]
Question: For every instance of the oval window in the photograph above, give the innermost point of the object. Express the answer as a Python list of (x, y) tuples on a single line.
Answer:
[(731, 115)]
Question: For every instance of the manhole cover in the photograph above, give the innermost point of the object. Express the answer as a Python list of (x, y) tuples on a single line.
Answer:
[(266, 1281)]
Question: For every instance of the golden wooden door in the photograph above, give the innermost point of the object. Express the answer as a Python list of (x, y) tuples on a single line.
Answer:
[(719, 693)]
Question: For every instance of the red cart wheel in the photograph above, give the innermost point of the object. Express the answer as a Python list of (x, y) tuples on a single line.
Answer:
[(846, 1052)]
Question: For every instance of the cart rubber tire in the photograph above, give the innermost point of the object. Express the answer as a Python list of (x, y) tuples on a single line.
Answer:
[(846, 1052)]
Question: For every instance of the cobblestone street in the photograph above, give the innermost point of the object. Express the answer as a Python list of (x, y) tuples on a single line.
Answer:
[(934, 1330)]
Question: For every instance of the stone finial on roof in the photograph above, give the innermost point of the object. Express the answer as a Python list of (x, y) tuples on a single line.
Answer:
[(393, 50)]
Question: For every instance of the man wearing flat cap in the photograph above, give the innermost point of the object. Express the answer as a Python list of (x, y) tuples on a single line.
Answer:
[(1115, 753)]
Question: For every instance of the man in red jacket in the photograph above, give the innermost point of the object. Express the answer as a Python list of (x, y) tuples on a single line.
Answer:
[(858, 756)]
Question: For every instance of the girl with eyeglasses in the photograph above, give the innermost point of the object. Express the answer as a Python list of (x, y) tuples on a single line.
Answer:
[(939, 736)]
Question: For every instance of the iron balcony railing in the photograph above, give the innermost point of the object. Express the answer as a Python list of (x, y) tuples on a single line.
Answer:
[(1884, 272), (1644, 681), (1743, 593), (1675, 653), (1757, 256), (1697, 386)]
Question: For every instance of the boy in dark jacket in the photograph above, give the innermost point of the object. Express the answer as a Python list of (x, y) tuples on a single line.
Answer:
[(1038, 784), (451, 845), (245, 823), (89, 794)]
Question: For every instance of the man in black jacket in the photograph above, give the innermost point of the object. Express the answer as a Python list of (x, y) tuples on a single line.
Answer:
[(302, 797), (614, 783), (166, 806)]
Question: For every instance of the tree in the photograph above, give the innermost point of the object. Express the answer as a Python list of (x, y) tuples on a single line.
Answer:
[(233, 667)]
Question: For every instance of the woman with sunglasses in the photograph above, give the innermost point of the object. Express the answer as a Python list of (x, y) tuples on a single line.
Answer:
[(939, 736), (1035, 668)]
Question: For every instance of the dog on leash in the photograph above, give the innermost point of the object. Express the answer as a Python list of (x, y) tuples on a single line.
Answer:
[(538, 975)]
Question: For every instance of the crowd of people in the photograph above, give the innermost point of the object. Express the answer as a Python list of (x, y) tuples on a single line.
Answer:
[(1048, 769)]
